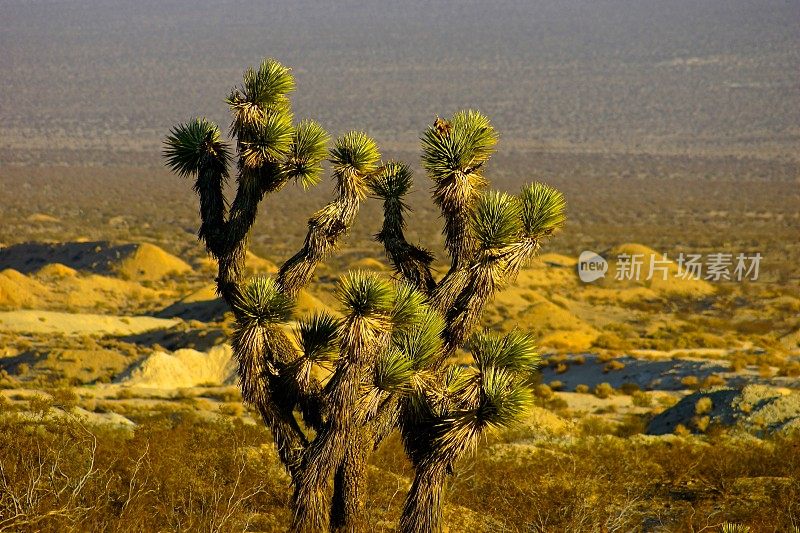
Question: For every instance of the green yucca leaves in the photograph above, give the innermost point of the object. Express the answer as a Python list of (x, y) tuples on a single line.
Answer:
[(262, 96), (515, 351), (457, 378), (260, 302), (268, 140), (543, 209), (503, 399), (409, 304), (365, 294), (422, 344), (462, 144), (392, 182), (519, 352), (266, 87), (308, 148), (355, 151), (318, 337), (198, 143), (393, 371), (496, 220), (485, 348), (480, 137)]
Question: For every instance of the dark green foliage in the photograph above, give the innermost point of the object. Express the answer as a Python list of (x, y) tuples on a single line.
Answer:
[(422, 344), (459, 145), (515, 351), (543, 209), (364, 294), (260, 302), (309, 147), (318, 337), (393, 371), (192, 147), (495, 220), (386, 355), (355, 152), (393, 182), (453, 154), (269, 141)]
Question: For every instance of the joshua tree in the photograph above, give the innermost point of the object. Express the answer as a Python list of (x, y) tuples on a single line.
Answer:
[(387, 353)]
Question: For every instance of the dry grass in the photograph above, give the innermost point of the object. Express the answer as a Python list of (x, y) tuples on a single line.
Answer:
[(174, 473), (615, 484), (178, 471)]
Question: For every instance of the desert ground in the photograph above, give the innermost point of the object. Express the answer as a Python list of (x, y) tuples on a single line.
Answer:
[(126, 340), (663, 405)]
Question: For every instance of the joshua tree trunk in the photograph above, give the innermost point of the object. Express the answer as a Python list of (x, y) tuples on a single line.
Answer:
[(422, 512), (347, 507)]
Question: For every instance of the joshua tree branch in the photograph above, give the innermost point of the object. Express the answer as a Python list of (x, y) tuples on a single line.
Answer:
[(354, 158), (410, 262)]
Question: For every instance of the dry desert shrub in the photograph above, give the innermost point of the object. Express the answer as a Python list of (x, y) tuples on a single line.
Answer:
[(603, 390), (156, 478), (93, 478), (607, 483), (542, 391), (629, 388), (713, 380), (642, 399), (703, 405), (690, 382)]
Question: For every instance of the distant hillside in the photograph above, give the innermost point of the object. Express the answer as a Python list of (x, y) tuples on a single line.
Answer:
[(717, 76)]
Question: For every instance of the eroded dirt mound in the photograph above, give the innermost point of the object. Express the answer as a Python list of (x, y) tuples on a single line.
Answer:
[(183, 368), (137, 261), (18, 290), (755, 408), (149, 262), (54, 322)]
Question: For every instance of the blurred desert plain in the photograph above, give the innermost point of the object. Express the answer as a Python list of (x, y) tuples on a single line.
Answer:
[(672, 127)]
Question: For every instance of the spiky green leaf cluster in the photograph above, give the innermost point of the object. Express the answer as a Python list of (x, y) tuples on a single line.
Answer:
[(268, 140), (191, 146), (392, 182), (504, 399), (355, 152), (365, 294), (422, 344), (308, 148), (409, 304), (496, 220), (318, 338), (457, 378), (265, 88), (515, 351), (393, 371), (501, 401), (543, 209), (260, 302), (459, 145)]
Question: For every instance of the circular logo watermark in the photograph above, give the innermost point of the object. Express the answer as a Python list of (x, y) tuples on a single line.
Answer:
[(591, 266)]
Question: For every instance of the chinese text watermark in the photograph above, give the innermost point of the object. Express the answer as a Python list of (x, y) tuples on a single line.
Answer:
[(717, 266)]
